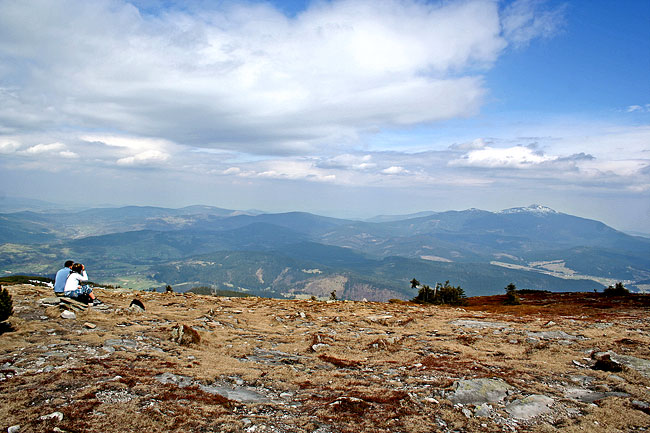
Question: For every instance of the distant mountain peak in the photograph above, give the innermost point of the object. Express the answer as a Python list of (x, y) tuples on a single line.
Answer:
[(533, 208)]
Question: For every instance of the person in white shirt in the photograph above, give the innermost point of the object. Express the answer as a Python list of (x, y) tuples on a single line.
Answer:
[(74, 288)]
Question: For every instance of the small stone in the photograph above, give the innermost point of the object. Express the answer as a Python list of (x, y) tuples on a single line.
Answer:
[(90, 325), (13, 429), (549, 323), (67, 314), (483, 410), (317, 347), (467, 412), (54, 416), (302, 315)]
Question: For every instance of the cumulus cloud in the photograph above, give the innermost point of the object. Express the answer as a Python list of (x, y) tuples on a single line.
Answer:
[(8, 146), (246, 77), (511, 157), (144, 158), (348, 162), (44, 148), (394, 170)]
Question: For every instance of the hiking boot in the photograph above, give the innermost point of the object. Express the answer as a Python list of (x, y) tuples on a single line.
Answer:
[(97, 302)]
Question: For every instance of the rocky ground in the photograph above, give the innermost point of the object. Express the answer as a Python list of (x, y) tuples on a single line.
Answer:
[(191, 363)]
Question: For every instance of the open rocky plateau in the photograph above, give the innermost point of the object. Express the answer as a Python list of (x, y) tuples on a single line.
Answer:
[(189, 363)]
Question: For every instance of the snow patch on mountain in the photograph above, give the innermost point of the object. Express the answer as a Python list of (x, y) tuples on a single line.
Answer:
[(533, 209)]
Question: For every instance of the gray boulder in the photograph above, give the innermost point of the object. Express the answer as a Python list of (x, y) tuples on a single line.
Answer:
[(477, 391), (530, 407)]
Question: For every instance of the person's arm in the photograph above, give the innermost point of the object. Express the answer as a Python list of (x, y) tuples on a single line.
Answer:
[(83, 276)]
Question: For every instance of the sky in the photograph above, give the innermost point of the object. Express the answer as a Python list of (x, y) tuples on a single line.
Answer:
[(349, 108)]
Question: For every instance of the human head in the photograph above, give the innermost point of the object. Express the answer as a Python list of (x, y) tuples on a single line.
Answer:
[(77, 267), (68, 264)]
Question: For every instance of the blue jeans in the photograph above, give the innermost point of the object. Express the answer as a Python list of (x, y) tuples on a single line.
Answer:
[(85, 290)]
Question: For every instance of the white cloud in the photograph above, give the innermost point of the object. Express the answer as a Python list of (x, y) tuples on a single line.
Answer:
[(9, 146), (245, 77), (144, 158), (348, 161), (511, 157), (524, 20), (394, 170), (638, 108), (69, 154), (44, 148)]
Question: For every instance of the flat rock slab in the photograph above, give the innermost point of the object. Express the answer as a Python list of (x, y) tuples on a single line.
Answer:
[(479, 324), (76, 305), (175, 379), (273, 357), (638, 364), (236, 393), (555, 335), (121, 343), (477, 391), (240, 394), (530, 407), (50, 301)]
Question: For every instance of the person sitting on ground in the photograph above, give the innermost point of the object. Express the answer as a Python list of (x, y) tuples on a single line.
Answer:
[(74, 289), (61, 277)]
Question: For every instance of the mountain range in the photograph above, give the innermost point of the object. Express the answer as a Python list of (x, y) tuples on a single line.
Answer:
[(300, 254)]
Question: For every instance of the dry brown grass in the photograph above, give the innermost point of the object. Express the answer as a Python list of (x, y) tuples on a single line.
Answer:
[(348, 366)]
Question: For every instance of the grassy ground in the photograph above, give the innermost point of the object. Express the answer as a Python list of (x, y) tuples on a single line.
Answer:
[(323, 367)]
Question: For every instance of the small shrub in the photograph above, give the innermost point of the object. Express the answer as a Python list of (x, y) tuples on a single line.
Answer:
[(169, 289), (617, 290), (442, 294), (512, 298), (6, 305), (333, 296)]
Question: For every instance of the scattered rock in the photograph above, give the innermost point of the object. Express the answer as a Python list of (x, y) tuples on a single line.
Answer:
[(641, 405), (584, 395), (479, 324), (483, 410), (67, 314), (50, 301), (90, 325), (605, 363), (136, 306), (317, 347), (555, 335), (178, 380), (112, 396), (185, 335), (240, 394), (120, 343), (529, 407), (13, 429), (58, 416), (477, 391), (642, 366), (272, 357), (380, 319)]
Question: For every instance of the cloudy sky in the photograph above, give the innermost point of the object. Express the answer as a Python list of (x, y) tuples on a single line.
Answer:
[(348, 108)]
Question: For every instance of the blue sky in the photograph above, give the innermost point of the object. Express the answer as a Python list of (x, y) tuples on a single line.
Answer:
[(348, 108)]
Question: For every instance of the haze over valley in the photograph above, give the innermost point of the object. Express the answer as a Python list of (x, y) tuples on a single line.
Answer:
[(299, 254)]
